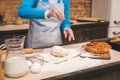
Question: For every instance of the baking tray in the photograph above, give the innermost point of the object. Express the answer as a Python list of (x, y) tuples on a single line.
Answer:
[(115, 45), (86, 20)]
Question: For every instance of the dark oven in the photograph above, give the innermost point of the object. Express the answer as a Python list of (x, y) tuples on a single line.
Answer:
[(1, 20)]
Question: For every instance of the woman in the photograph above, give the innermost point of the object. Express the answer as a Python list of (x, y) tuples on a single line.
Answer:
[(47, 16)]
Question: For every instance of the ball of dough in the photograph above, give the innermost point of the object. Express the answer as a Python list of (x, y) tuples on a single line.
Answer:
[(58, 51)]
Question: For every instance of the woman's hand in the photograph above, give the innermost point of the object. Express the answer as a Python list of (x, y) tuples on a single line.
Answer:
[(68, 33), (58, 13)]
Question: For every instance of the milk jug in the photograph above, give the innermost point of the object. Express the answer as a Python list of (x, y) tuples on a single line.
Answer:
[(15, 63)]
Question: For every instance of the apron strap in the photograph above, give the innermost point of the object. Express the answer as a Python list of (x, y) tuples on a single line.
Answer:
[(61, 1), (40, 0)]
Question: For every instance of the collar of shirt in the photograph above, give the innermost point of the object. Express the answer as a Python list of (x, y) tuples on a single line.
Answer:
[(53, 1)]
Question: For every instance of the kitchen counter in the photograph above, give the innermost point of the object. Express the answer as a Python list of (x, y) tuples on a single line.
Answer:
[(77, 22), (8, 31), (76, 68), (83, 31), (14, 27), (26, 26)]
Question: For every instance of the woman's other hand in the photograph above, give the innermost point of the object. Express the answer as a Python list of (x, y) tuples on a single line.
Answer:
[(68, 33)]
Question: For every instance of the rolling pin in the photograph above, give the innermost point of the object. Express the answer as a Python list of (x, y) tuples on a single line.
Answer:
[(26, 51), (1, 70)]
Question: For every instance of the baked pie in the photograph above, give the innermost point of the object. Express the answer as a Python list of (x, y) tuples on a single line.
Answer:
[(98, 47)]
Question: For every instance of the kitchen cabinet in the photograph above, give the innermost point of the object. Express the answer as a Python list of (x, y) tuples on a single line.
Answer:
[(83, 31), (9, 34), (109, 76), (95, 32), (78, 34), (109, 10), (88, 31)]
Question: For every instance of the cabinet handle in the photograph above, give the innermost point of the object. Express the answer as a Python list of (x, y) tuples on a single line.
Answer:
[(116, 34), (117, 22)]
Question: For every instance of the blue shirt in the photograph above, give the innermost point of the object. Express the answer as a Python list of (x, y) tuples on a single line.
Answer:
[(28, 10)]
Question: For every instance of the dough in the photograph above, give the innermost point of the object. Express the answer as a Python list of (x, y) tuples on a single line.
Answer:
[(58, 51)]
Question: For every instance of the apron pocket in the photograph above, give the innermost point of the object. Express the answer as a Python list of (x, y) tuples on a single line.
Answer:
[(46, 39)]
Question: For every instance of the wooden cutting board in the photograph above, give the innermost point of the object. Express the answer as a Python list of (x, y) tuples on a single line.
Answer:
[(95, 56)]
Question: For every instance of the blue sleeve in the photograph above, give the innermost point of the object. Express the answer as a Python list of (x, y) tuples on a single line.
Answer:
[(66, 22), (26, 10)]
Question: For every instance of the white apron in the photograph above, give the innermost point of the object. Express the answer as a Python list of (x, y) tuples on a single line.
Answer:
[(45, 33)]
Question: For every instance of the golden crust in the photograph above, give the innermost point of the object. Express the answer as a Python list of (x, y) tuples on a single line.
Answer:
[(97, 47)]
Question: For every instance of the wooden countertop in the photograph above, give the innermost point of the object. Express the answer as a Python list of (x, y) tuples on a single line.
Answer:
[(14, 27), (26, 26), (76, 64)]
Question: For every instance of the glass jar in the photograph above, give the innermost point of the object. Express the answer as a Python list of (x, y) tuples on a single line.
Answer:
[(15, 63)]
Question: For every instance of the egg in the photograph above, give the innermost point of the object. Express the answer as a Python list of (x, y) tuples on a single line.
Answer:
[(29, 63), (35, 68)]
